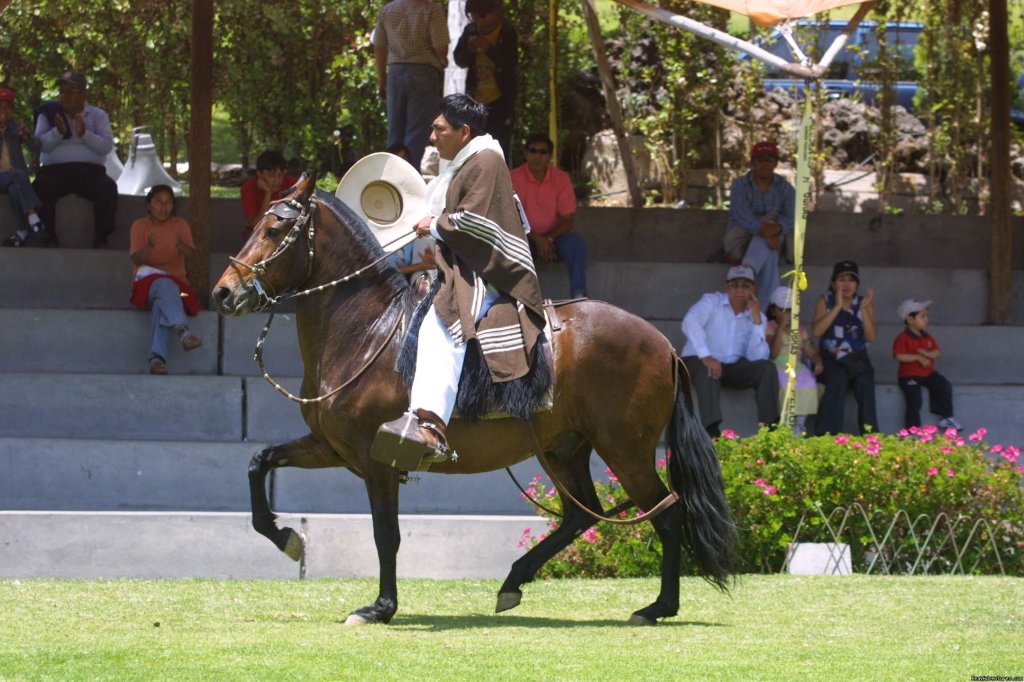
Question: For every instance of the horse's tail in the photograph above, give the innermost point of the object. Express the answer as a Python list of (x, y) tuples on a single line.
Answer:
[(709, 534)]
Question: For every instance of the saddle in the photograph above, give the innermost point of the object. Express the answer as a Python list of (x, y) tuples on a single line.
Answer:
[(399, 443)]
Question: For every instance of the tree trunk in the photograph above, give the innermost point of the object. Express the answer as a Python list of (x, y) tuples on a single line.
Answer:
[(199, 147), (1000, 305)]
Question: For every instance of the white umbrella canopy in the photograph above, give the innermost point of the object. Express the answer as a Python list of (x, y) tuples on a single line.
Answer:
[(766, 13)]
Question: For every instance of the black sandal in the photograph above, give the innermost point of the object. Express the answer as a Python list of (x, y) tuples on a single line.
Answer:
[(15, 240)]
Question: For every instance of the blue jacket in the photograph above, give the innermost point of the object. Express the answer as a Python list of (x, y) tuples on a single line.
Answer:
[(14, 142)]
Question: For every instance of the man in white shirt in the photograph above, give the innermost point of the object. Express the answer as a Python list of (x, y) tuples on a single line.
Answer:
[(726, 346)]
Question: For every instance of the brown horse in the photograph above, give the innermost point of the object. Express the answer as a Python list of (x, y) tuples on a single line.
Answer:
[(618, 386)]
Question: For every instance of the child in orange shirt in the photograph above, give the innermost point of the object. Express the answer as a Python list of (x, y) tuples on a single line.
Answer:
[(160, 243)]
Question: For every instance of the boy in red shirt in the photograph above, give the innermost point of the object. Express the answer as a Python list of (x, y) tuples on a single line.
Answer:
[(916, 351)]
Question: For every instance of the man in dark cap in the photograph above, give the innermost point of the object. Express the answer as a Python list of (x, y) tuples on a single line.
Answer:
[(75, 138)]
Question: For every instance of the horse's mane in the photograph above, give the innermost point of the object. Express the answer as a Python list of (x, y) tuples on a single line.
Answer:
[(364, 238)]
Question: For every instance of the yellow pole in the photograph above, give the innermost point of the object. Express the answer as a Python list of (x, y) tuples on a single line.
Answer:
[(799, 283), (553, 77)]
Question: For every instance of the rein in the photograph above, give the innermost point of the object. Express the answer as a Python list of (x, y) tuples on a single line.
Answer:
[(258, 357), (648, 515)]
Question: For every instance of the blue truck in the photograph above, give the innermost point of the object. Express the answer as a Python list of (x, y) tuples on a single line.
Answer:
[(855, 70)]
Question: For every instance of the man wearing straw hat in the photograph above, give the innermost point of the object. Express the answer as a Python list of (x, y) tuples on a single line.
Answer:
[(488, 289)]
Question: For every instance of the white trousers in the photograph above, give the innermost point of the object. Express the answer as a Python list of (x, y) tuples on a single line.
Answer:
[(439, 363)]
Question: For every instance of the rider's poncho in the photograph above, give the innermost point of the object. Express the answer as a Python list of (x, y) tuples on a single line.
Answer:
[(483, 242)]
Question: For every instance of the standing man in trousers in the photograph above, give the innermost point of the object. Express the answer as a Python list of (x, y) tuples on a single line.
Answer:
[(410, 48)]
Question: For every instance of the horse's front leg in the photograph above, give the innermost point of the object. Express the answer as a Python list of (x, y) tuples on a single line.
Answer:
[(382, 487), (306, 452)]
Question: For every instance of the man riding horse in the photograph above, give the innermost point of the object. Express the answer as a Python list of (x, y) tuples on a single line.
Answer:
[(488, 283)]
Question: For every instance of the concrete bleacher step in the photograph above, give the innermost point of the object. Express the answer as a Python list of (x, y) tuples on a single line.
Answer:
[(999, 409), (121, 406), (107, 545), (61, 474), (68, 278), (970, 354), (73, 278), (96, 342), (117, 342)]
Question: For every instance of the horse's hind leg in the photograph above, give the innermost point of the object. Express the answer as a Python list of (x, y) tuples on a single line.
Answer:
[(668, 525), (641, 482), (306, 452), (574, 474)]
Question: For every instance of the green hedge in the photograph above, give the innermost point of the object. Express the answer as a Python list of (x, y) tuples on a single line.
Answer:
[(778, 484)]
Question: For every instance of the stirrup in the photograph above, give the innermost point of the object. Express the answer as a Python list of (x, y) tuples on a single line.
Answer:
[(400, 444)]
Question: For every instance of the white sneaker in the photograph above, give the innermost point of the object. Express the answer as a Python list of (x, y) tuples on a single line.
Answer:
[(950, 423)]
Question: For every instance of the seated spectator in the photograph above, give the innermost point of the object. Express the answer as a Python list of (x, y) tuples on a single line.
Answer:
[(780, 324), (762, 205), (844, 321), (160, 244), (550, 204), (267, 186), (726, 346), (916, 350), (75, 139), (14, 179)]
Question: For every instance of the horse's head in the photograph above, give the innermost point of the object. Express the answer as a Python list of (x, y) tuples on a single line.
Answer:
[(277, 258)]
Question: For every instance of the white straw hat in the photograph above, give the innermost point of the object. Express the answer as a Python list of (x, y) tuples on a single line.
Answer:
[(387, 192)]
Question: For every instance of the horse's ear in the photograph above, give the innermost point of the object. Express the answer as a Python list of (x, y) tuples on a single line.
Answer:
[(305, 187)]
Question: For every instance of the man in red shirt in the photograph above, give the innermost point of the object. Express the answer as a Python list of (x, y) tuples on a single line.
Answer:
[(916, 351), (550, 203), (267, 186)]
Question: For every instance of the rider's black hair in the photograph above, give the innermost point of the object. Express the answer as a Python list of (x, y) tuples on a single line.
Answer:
[(462, 110)]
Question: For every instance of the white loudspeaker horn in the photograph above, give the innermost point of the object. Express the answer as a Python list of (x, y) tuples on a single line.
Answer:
[(144, 168)]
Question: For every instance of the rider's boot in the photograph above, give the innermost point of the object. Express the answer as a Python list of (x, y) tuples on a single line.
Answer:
[(431, 429), (413, 441)]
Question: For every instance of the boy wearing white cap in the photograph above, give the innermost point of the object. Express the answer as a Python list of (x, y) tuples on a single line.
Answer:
[(726, 346), (916, 350)]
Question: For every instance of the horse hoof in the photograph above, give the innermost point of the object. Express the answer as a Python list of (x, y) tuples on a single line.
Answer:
[(508, 600), (637, 619), (355, 620), (293, 548)]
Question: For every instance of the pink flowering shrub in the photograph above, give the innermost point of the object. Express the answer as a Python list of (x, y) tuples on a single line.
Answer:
[(605, 550), (773, 478)]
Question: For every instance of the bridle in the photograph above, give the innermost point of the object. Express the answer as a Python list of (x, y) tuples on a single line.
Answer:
[(291, 209), (302, 214)]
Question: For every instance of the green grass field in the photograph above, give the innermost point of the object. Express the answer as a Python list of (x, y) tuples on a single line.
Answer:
[(769, 628)]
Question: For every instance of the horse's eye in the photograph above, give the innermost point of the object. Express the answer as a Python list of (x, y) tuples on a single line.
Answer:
[(273, 232)]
